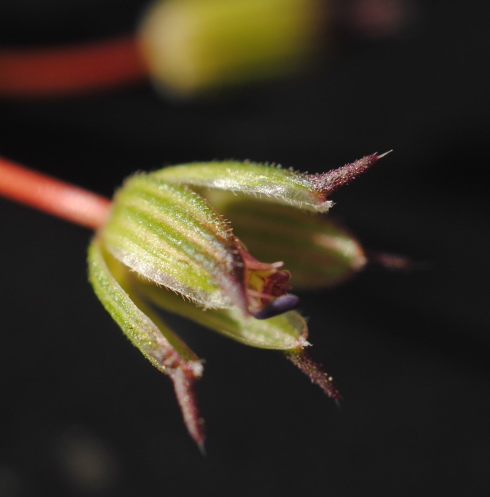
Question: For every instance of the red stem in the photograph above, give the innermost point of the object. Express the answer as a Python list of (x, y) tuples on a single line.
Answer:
[(73, 69), (52, 196)]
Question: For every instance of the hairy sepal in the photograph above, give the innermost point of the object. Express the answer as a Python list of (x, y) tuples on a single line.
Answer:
[(174, 238), (283, 332), (151, 336), (147, 332), (317, 250), (306, 191), (269, 182)]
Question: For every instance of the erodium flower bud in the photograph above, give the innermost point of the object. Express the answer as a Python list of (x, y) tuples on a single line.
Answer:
[(193, 46), (171, 242)]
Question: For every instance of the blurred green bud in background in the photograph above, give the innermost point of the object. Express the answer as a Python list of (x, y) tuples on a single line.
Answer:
[(193, 46)]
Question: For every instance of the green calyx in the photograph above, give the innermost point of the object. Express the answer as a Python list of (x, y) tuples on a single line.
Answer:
[(171, 241)]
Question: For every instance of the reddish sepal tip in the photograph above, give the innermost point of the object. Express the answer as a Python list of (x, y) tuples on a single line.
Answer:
[(303, 361), (327, 183), (392, 262), (184, 384)]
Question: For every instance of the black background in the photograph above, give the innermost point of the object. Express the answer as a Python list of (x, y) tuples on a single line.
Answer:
[(83, 414)]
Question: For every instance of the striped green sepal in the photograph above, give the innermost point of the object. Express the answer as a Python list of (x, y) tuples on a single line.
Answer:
[(172, 236), (271, 182), (112, 284), (284, 186), (317, 250), (283, 332), (150, 335)]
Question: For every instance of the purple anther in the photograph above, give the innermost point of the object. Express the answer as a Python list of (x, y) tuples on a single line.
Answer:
[(281, 305)]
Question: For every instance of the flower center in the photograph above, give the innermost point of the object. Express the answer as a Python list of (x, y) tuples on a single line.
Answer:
[(266, 286)]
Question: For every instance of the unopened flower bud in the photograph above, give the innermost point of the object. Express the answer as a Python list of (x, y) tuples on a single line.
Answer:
[(167, 243), (194, 46)]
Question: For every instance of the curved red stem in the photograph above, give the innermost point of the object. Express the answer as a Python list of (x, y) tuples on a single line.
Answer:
[(70, 69), (52, 196)]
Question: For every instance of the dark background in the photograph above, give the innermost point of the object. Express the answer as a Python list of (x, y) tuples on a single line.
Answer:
[(83, 414)]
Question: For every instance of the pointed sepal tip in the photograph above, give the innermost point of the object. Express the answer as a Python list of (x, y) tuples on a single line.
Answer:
[(304, 362), (184, 385), (327, 183)]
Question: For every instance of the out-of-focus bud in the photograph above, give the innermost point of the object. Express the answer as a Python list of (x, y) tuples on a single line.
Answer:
[(193, 46), (376, 19)]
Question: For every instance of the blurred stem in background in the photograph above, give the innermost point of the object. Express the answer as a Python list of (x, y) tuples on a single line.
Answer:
[(189, 47)]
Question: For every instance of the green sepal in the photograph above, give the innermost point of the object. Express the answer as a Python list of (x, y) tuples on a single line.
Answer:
[(269, 182), (145, 330), (318, 251), (283, 332), (173, 237)]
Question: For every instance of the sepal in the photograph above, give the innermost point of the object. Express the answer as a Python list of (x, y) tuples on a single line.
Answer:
[(317, 250), (282, 332), (174, 238), (272, 183), (147, 332)]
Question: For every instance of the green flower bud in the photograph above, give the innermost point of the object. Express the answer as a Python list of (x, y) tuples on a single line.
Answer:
[(167, 243), (196, 45)]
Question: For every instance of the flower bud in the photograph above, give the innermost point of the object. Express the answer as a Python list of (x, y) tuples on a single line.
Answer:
[(194, 45), (166, 243)]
